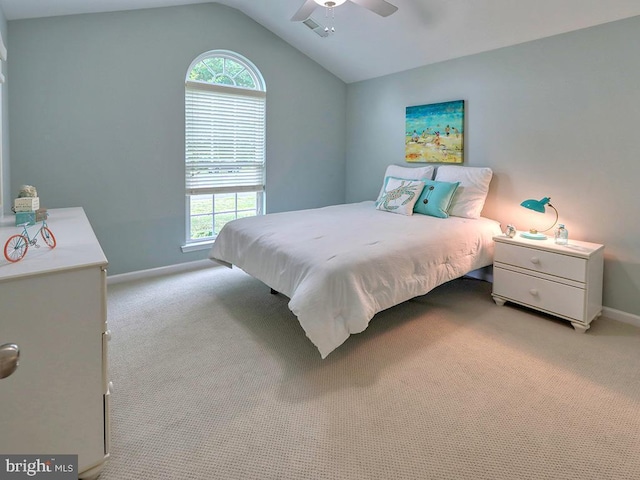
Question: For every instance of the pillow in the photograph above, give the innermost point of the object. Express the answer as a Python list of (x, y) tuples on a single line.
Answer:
[(435, 198), (469, 198), (408, 173), (399, 195)]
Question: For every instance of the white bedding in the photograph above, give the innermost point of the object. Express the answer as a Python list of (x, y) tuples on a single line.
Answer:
[(340, 265)]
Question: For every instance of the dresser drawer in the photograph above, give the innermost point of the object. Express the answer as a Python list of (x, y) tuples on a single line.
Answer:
[(556, 264), (553, 297)]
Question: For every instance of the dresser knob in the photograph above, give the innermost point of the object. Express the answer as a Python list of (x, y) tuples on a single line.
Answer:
[(533, 292), (535, 260), (9, 359)]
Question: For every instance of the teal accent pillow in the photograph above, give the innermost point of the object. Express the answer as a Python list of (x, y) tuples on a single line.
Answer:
[(435, 199)]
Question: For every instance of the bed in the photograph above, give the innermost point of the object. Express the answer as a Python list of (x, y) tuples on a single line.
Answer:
[(342, 264)]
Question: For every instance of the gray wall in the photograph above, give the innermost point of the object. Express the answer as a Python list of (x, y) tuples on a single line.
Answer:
[(4, 162), (555, 117), (97, 120)]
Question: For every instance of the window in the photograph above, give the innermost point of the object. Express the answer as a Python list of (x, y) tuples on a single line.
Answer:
[(225, 100)]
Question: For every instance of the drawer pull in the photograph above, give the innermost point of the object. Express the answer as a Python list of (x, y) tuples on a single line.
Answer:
[(9, 359), (533, 292), (535, 260)]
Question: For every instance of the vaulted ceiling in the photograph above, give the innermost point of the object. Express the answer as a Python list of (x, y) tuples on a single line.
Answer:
[(366, 45)]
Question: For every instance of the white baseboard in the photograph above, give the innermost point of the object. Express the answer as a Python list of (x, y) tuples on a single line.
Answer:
[(156, 272), (199, 264), (621, 316)]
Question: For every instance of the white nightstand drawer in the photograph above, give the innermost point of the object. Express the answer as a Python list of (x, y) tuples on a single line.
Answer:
[(542, 261), (553, 297)]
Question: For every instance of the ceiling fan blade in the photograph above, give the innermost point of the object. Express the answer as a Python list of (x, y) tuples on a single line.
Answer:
[(381, 7), (305, 11)]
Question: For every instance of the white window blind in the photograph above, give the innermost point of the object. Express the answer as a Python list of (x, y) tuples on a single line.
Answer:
[(224, 139)]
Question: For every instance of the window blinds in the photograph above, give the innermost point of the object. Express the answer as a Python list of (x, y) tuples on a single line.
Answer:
[(224, 139)]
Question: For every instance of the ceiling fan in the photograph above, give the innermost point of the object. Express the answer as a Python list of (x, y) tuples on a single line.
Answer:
[(381, 7)]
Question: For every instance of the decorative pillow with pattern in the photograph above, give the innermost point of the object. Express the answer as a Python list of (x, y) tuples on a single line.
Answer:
[(408, 173), (399, 195)]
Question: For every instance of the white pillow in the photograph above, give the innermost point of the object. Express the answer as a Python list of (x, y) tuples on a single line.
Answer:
[(469, 198), (400, 195), (408, 173)]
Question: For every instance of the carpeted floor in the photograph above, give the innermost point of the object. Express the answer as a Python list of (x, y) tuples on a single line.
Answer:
[(215, 379)]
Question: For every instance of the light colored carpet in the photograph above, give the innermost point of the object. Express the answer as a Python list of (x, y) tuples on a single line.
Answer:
[(215, 379)]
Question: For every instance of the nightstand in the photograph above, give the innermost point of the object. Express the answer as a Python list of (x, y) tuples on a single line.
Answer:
[(562, 280)]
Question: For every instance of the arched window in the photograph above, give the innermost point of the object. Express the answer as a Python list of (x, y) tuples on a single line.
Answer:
[(225, 99)]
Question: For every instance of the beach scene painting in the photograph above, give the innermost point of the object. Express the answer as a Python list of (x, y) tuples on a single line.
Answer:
[(435, 133)]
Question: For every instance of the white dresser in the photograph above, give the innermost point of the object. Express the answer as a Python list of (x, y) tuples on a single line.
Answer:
[(562, 280), (53, 306)]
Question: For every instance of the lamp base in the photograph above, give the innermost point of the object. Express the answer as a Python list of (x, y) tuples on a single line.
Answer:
[(533, 236)]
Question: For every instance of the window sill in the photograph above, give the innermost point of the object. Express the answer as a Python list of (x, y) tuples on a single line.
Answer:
[(196, 246)]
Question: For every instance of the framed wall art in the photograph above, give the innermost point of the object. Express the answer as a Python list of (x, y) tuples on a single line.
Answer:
[(435, 133)]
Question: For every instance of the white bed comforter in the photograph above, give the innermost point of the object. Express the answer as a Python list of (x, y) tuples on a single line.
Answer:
[(340, 265)]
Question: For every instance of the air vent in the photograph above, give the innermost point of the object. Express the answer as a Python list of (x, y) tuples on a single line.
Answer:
[(316, 27)]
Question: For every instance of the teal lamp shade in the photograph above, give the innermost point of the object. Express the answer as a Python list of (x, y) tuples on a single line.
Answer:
[(538, 206)]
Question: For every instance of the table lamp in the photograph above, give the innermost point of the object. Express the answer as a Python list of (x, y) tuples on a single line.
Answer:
[(538, 206)]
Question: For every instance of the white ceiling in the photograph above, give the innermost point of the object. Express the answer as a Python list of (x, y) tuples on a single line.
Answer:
[(366, 45)]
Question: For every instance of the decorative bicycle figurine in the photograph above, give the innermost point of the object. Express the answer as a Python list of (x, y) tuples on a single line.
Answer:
[(16, 247)]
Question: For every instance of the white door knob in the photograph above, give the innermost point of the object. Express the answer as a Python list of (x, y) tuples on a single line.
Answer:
[(533, 292)]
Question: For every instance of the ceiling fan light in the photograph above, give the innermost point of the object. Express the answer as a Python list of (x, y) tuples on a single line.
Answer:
[(330, 3)]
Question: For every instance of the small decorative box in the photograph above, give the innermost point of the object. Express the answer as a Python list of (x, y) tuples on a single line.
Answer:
[(25, 217), (26, 204)]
